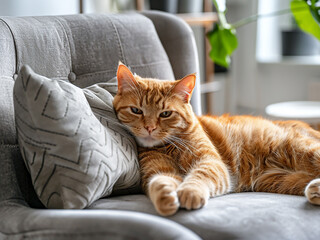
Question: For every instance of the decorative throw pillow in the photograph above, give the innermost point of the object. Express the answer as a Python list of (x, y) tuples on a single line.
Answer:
[(74, 156)]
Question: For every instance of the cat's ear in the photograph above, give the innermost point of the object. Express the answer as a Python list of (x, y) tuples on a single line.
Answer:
[(126, 80), (185, 87)]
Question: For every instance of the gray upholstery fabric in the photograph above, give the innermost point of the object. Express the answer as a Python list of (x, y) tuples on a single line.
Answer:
[(74, 158), (7, 69), (90, 52), (21, 222), (15, 181), (9, 187), (248, 216)]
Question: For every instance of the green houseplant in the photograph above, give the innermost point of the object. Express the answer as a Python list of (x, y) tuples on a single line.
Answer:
[(223, 39)]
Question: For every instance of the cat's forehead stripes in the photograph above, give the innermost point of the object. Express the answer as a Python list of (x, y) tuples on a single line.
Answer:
[(155, 92), (153, 97)]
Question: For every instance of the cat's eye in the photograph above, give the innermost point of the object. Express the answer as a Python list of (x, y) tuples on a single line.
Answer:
[(136, 110), (165, 114)]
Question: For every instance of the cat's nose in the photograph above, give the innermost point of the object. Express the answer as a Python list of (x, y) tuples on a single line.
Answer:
[(150, 129)]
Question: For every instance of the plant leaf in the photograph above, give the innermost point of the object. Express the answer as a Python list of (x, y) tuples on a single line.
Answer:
[(314, 6), (304, 16), (223, 43)]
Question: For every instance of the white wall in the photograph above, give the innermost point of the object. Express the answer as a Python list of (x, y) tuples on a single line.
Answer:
[(241, 82), (38, 7)]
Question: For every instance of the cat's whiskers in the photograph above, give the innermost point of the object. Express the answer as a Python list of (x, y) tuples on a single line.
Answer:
[(183, 133), (186, 142), (173, 143), (185, 145)]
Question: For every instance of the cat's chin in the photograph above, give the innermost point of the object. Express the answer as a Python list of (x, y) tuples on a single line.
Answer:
[(148, 142)]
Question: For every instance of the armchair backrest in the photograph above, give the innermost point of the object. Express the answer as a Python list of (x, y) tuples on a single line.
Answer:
[(84, 50)]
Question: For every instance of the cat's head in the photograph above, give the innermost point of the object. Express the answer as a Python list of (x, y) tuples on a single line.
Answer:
[(155, 111)]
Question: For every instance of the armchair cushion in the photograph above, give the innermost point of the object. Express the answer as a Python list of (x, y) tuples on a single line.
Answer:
[(74, 157)]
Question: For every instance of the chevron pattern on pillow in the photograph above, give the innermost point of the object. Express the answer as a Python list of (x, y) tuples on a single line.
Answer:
[(73, 156)]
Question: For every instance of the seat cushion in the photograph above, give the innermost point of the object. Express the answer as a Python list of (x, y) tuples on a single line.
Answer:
[(73, 155), (237, 216)]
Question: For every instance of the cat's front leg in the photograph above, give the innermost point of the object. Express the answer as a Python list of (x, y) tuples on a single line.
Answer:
[(193, 195), (207, 178), (160, 179), (312, 191), (162, 193)]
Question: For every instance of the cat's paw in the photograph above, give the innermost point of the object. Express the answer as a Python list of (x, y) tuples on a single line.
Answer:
[(312, 191), (162, 192), (192, 197)]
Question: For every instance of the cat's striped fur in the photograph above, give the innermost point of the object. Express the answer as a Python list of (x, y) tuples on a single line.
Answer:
[(186, 159)]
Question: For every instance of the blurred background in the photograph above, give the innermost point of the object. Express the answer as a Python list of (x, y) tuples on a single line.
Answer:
[(264, 69)]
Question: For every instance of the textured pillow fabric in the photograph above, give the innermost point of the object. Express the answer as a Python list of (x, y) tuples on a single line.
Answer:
[(73, 158)]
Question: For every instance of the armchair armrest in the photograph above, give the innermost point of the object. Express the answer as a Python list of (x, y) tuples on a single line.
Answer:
[(19, 221)]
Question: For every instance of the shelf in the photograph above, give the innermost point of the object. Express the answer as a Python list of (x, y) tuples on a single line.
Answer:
[(202, 19)]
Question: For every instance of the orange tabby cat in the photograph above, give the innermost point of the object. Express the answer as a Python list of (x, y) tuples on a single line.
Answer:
[(186, 159)]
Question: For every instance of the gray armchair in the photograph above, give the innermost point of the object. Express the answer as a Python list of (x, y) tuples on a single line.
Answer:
[(85, 49)]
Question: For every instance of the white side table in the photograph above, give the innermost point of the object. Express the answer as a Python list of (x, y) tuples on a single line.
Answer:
[(307, 111)]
